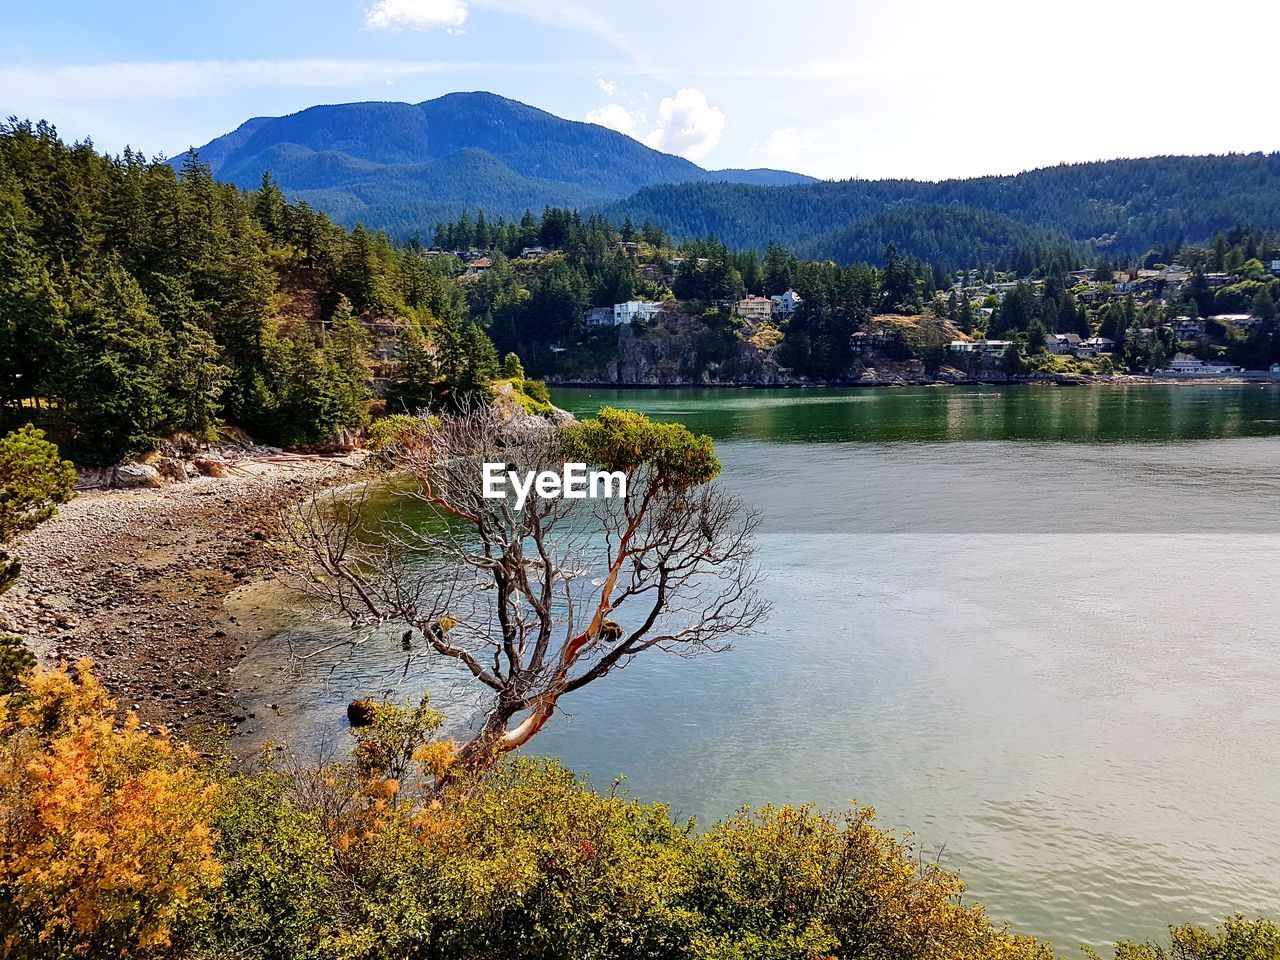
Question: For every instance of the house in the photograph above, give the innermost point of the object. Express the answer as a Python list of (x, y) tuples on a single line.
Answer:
[(534, 252), (478, 266), (1215, 280), (1184, 363), (1185, 328), (1062, 343), (1100, 344), (628, 247), (636, 309), (1275, 368), (754, 308), (785, 304), (1275, 267), (621, 313), (985, 348)]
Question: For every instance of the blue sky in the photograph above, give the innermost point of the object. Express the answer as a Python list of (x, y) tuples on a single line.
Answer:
[(918, 88)]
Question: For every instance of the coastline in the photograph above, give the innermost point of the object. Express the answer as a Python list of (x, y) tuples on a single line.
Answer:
[(138, 580), (1034, 380)]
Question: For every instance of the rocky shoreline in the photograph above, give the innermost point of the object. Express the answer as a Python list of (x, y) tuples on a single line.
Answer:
[(136, 580)]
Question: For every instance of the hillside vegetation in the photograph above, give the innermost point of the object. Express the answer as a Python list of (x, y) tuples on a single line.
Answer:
[(138, 301), (1121, 206)]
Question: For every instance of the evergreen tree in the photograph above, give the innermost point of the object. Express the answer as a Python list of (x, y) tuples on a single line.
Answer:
[(411, 390), (348, 368), (32, 320), (110, 390), (512, 368)]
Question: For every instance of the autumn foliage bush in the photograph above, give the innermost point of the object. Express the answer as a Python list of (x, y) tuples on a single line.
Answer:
[(105, 838), (115, 843)]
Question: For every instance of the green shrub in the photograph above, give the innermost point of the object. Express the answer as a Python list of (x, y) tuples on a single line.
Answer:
[(34, 480), (534, 863), (15, 660), (387, 432), (1237, 939), (532, 395)]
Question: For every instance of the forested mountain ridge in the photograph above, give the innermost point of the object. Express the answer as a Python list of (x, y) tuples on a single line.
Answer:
[(403, 167), (1124, 206), (385, 163)]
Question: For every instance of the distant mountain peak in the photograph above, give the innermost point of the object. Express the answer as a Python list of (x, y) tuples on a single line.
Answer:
[(363, 160)]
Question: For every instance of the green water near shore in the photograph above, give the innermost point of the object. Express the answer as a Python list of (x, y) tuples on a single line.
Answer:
[(1035, 627)]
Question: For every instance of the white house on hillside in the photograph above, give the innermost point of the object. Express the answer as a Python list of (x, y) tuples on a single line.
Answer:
[(623, 313), (786, 304), (988, 348)]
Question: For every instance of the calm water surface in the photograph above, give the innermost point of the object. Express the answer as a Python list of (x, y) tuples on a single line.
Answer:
[(1034, 627)]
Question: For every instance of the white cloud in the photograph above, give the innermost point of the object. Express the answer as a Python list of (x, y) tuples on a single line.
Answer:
[(614, 116), (607, 86), (687, 125), (789, 145), (416, 14)]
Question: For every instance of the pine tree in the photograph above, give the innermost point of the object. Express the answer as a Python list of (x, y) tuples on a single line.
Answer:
[(269, 206), (346, 354), (411, 390), (32, 319), (110, 390), (194, 379), (512, 368)]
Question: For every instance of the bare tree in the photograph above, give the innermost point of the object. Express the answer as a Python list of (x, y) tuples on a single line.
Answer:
[(538, 602)]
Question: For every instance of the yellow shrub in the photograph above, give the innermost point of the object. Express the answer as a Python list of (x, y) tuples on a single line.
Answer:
[(105, 845)]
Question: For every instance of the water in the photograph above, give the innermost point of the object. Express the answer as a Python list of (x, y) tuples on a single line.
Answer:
[(1034, 627)]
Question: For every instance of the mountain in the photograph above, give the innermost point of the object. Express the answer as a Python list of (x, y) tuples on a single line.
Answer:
[(391, 163), (404, 167)]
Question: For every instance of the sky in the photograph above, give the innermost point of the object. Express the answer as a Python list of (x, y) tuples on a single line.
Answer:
[(927, 89)]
